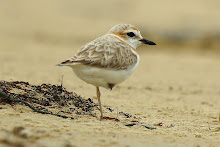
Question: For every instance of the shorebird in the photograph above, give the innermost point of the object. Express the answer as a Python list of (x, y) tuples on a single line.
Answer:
[(109, 59)]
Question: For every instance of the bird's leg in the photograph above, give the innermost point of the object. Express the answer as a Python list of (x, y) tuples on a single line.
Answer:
[(99, 100)]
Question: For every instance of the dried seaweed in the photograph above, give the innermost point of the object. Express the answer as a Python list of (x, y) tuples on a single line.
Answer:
[(54, 100), (45, 98)]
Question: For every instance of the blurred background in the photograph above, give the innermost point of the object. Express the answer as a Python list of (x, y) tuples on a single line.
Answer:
[(176, 83), (45, 32), (171, 22)]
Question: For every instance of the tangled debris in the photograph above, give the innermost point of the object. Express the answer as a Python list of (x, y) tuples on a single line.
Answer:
[(46, 98), (54, 100)]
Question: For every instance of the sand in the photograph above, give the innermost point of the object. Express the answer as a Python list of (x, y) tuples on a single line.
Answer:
[(175, 89)]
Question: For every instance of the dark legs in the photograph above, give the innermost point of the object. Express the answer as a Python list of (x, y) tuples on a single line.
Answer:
[(99, 100)]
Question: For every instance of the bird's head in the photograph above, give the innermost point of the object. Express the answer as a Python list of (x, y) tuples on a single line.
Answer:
[(130, 34)]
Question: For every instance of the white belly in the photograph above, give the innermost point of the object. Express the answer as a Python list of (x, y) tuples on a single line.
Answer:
[(101, 77)]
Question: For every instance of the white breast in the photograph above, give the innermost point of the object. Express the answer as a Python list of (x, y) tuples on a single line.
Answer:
[(101, 77)]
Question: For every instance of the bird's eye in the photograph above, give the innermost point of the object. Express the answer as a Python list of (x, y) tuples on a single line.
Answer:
[(130, 34)]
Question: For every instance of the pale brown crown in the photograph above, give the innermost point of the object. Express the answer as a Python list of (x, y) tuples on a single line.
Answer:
[(122, 28)]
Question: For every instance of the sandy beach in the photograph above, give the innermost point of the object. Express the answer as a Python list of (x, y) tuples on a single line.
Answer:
[(176, 87)]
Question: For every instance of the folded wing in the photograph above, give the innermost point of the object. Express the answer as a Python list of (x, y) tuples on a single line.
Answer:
[(105, 52)]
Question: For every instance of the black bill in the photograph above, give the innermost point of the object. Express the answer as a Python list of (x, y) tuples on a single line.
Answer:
[(145, 41)]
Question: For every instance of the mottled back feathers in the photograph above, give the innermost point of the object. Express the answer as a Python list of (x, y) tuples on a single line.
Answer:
[(106, 51)]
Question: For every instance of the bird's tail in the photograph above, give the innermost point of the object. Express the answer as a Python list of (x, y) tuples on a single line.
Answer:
[(67, 63), (60, 64)]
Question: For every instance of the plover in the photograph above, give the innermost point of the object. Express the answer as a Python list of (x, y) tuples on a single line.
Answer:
[(109, 59)]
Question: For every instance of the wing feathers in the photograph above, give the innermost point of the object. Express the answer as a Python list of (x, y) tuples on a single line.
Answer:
[(105, 52)]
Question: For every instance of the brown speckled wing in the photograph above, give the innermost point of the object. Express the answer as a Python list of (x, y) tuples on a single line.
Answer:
[(105, 52)]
